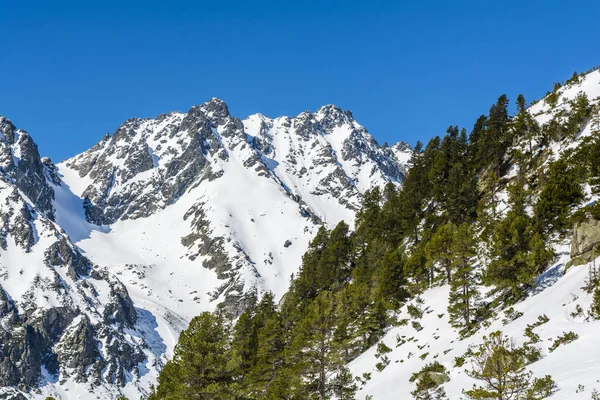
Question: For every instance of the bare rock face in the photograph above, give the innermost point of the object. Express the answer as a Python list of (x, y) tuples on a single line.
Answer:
[(21, 163), (586, 235), (60, 315)]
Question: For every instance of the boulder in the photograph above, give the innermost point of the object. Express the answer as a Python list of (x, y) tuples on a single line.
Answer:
[(586, 235)]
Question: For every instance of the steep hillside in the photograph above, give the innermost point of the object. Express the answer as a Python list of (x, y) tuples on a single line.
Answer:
[(558, 293)]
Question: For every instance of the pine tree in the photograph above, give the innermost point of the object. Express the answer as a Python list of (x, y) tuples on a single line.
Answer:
[(518, 254), (463, 287), (462, 194), (492, 146), (264, 377), (334, 265), (439, 250), (343, 385), (390, 283), (500, 365), (429, 382), (559, 194), (416, 268), (313, 354), (201, 367)]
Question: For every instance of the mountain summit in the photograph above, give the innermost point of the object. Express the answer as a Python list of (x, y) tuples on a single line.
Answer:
[(108, 255)]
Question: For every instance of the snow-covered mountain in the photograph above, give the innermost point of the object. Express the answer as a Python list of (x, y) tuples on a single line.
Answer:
[(62, 319), (106, 257)]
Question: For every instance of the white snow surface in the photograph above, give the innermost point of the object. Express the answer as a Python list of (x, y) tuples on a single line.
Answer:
[(557, 297)]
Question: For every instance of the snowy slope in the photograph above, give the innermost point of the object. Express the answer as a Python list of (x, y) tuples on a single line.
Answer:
[(570, 365)]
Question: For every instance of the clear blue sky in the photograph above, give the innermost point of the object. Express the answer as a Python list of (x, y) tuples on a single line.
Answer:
[(72, 71)]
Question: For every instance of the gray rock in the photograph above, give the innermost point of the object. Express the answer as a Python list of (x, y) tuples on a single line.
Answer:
[(586, 235)]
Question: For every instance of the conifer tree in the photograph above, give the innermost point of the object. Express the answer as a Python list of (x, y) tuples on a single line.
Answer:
[(343, 385), (500, 365), (333, 267), (201, 367), (390, 282), (559, 194), (513, 238), (314, 354), (463, 286), (264, 377), (429, 382), (439, 250)]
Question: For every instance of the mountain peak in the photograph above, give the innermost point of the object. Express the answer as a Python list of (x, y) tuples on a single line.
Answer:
[(332, 111), (215, 108)]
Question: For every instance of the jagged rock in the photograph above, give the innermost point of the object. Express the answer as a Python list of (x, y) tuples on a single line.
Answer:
[(121, 310), (64, 253), (77, 349)]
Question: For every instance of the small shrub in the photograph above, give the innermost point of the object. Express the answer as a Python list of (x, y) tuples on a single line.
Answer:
[(459, 361), (382, 349), (533, 337), (541, 388), (578, 312), (366, 377), (511, 315), (414, 312), (385, 361), (566, 338), (531, 354), (429, 381), (399, 341), (417, 326)]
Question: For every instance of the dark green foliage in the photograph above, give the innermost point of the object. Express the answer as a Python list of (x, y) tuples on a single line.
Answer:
[(534, 337), (561, 191), (313, 352), (464, 296), (565, 338), (541, 388), (519, 253), (493, 143), (390, 282), (439, 251), (201, 367), (580, 113), (343, 385), (587, 156)]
